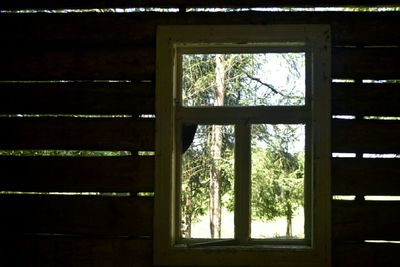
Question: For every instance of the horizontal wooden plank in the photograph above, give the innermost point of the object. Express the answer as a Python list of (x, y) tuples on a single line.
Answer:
[(77, 174), (71, 214), (368, 136), (77, 133), (353, 176), (367, 99), (77, 98), (366, 255), (118, 29), (133, 63), (97, 58), (58, 251), (77, 63), (8, 4), (365, 63), (83, 252), (365, 220)]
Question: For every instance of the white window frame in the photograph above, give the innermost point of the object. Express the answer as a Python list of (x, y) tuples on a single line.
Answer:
[(171, 41)]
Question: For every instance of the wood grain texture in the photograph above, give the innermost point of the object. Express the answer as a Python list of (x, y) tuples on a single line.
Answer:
[(118, 29), (77, 63), (365, 220), (133, 63), (353, 176), (365, 136), (77, 174), (77, 133), (8, 4), (366, 255), (77, 98), (368, 99), (93, 46), (365, 63), (72, 214), (44, 53), (83, 252)]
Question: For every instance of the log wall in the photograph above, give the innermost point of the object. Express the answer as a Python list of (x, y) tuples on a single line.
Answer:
[(103, 65)]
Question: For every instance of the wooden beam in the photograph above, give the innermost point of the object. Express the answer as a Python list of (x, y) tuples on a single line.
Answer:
[(75, 251), (119, 29), (368, 176), (72, 214), (77, 174), (368, 99), (133, 63), (77, 98), (366, 255), (365, 63), (365, 136), (365, 220), (54, 63), (77, 133)]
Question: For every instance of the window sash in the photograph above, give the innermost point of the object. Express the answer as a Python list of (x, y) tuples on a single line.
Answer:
[(242, 189), (242, 117)]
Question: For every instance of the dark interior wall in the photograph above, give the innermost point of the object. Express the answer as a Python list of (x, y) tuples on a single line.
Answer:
[(63, 64)]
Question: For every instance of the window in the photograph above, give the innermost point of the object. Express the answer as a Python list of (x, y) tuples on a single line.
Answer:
[(243, 145)]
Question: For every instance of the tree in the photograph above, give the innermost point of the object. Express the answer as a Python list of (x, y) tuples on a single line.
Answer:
[(216, 150), (278, 176), (207, 166)]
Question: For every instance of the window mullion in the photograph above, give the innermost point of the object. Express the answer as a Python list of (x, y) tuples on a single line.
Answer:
[(242, 182)]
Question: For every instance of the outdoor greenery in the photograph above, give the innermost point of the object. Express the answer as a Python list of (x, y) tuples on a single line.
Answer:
[(207, 180), (63, 153)]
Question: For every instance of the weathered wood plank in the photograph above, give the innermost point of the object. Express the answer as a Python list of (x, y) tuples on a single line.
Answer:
[(368, 99), (63, 214), (77, 133), (130, 63), (365, 136), (83, 252), (77, 63), (77, 98), (365, 220), (8, 4), (347, 28), (351, 176), (77, 174), (365, 63), (366, 255)]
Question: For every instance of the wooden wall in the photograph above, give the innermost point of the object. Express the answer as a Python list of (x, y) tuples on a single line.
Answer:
[(62, 64)]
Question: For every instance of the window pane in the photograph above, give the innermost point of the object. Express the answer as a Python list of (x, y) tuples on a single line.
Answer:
[(262, 79), (277, 204), (207, 181)]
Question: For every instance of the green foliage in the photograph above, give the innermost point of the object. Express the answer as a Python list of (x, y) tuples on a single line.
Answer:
[(196, 166), (62, 153), (277, 184), (277, 168)]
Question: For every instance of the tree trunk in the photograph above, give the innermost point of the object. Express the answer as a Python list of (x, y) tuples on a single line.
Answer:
[(188, 213), (215, 151), (289, 217)]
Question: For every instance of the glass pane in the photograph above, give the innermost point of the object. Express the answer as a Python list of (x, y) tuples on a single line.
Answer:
[(207, 182), (262, 79), (277, 174)]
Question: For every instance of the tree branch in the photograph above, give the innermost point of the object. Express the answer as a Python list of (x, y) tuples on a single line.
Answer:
[(271, 87)]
